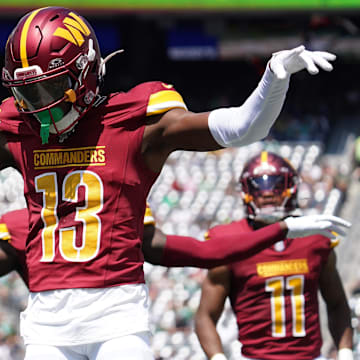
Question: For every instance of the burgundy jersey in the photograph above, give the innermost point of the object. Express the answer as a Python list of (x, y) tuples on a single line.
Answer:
[(274, 295), (86, 195), (14, 229)]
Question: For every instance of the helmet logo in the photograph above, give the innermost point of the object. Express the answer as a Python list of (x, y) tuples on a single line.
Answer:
[(75, 30)]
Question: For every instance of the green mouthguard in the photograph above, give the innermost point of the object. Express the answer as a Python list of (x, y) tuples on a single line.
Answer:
[(45, 121)]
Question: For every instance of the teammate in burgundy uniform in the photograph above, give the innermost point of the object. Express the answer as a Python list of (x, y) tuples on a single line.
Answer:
[(274, 294), (86, 182)]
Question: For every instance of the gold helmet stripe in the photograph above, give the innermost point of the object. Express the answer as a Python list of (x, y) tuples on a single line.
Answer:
[(4, 232), (23, 38), (264, 156)]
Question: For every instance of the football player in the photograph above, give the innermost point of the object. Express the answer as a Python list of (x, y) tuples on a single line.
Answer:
[(274, 293), (88, 162)]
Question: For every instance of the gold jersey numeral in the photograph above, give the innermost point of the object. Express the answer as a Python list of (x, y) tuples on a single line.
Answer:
[(277, 287), (87, 215)]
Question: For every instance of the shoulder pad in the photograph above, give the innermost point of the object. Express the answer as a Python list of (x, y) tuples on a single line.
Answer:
[(334, 243), (163, 98), (148, 218)]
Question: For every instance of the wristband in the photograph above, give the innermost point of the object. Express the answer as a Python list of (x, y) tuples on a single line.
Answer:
[(221, 356), (345, 354)]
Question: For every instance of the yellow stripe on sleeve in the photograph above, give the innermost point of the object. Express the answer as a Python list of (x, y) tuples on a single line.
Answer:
[(148, 218), (163, 101), (334, 243), (4, 232)]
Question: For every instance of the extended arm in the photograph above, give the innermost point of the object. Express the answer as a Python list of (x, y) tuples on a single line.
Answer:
[(173, 250), (338, 310), (214, 291), (178, 129)]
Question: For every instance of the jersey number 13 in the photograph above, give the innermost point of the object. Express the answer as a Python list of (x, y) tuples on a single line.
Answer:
[(47, 184)]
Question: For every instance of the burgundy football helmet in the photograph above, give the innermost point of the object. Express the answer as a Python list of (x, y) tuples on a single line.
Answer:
[(264, 173), (53, 67)]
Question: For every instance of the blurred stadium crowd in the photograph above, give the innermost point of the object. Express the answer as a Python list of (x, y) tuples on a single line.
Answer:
[(316, 131)]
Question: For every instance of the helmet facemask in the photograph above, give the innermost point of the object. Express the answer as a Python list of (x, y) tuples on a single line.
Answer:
[(274, 186), (269, 192)]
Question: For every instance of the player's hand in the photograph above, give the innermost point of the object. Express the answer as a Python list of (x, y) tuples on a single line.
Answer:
[(326, 225), (286, 62)]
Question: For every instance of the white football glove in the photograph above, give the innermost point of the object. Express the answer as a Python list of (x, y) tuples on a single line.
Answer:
[(326, 225), (286, 62)]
